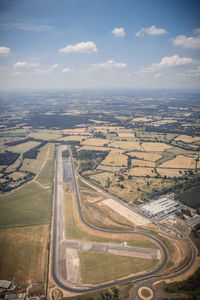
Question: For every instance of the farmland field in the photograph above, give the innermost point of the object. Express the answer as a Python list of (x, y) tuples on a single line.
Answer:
[(142, 171), (126, 145), (145, 155), (157, 147), (75, 131), (46, 134), (29, 205), (142, 163), (126, 134), (180, 161), (72, 138), (23, 254), (171, 172), (187, 139), (95, 142), (115, 159), (23, 147), (97, 148)]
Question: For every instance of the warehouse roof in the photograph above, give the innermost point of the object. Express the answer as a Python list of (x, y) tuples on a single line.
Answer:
[(5, 284)]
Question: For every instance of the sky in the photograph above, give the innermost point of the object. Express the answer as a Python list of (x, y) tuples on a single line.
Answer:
[(81, 44)]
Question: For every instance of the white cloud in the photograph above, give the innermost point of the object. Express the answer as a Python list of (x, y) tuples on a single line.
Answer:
[(66, 70), (193, 73), (174, 61), (83, 47), (153, 30), (196, 31), (16, 74), (53, 67), (5, 51), (167, 62), (110, 65), (158, 75), (188, 42), (24, 64), (39, 71), (118, 32)]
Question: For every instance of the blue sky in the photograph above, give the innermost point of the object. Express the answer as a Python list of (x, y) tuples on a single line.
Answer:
[(99, 44)]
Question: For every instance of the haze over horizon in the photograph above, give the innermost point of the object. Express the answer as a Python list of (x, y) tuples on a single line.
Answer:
[(78, 44)]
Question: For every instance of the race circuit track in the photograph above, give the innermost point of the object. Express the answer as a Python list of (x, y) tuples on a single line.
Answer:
[(59, 241)]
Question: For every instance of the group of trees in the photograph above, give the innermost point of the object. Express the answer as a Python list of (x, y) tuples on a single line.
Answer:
[(188, 286), (8, 158), (90, 158), (33, 152)]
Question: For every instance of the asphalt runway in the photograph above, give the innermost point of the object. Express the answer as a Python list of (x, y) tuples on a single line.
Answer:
[(65, 173)]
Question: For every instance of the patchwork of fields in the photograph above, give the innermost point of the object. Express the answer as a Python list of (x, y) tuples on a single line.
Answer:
[(139, 165)]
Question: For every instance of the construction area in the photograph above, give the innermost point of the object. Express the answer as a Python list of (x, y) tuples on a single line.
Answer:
[(161, 207)]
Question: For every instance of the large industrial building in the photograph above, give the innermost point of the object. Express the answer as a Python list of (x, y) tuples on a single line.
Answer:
[(161, 207)]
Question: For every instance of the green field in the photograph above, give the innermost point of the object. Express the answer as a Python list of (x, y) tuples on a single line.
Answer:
[(111, 267), (23, 254), (28, 205), (21, 148), (45, 134), (45, 177)]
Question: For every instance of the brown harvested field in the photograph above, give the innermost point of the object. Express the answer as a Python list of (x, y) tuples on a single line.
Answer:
[(126, 134), (126, 145), (110, 128), (155, 147), (142, 171), (115, 159), (72, 138), (23, 254), (101, 178), (187, 139), (78, 131), (97, 148), (166, 121), (180, 161), (17, 175), (142, 163), (170, 172), (145, 155), (95, 142), (141, 119), (108, 168)]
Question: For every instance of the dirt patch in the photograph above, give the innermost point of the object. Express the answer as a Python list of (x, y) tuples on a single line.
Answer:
[(126, 212), (180, 161)]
